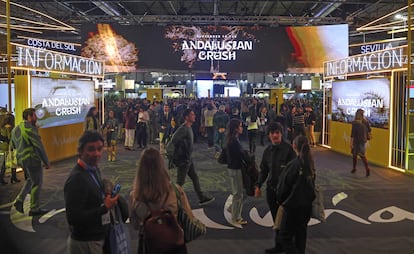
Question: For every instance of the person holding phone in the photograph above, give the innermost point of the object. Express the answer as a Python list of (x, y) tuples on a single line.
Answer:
[(87, 199)]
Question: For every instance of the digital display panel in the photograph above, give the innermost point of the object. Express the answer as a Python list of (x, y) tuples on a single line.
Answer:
[(306, 84), (214, 49), (61, 101), (204, 88), (371, 95)]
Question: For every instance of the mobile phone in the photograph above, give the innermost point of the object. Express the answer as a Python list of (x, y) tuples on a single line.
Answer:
[(116, 190)]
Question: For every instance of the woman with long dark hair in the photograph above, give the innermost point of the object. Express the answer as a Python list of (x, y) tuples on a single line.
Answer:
[(152, 189), (91, 119), (235, 157), (295, 194)]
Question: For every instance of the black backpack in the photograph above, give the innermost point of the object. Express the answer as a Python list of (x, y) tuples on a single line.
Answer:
[(161, 232)]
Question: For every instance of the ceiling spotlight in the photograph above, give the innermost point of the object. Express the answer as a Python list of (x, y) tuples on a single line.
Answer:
[(399, 16)]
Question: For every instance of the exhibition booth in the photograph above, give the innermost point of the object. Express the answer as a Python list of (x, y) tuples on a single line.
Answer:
[(61, 101), (376, 82)]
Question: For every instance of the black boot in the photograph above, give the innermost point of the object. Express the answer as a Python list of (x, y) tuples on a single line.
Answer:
[(367, 169), (13, 178), (2, 181), (354, 162)]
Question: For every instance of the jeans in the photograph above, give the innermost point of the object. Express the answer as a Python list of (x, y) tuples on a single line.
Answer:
[(33, 169), (252, 134), (119, 133), (210, 135), (219, 140), (184, 169), (236, 181)]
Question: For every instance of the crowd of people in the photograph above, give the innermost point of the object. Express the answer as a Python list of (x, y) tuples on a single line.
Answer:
[(286, 165), (140, 122)]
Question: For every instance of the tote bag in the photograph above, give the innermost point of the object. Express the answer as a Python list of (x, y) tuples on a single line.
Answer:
[(118, 234), (318, 209)]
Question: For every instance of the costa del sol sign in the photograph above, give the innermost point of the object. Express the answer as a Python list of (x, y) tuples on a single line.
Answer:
[(46, 60)]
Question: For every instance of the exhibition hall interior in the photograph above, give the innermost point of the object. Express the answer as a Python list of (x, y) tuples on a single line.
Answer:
[(65, 57), (273, 50)]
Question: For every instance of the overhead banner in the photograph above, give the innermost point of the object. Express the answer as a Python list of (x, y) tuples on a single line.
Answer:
[(214, 49)]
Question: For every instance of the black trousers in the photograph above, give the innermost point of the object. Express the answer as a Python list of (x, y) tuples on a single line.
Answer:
[(142, 135), (293, 229)]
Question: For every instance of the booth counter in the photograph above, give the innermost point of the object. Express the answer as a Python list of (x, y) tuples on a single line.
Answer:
[(377, 148), (61, 142)]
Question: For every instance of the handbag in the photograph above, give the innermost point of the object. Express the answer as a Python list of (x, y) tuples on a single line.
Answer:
[(119, 238), (250, 175), (222, 159), (318, 209), (193, 228), (278, 218)]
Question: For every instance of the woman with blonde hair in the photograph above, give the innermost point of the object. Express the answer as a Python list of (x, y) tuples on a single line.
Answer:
[(152, 190)]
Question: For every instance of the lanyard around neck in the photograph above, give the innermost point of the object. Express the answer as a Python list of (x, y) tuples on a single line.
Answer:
[(83, 165)]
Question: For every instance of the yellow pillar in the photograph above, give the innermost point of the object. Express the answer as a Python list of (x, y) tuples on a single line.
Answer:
[(276, 97), (22, 95)]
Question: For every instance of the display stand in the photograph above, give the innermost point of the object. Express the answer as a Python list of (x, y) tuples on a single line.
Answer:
[(60, 140)]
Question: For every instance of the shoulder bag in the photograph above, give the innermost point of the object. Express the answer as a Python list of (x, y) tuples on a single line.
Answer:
[(193, 228)]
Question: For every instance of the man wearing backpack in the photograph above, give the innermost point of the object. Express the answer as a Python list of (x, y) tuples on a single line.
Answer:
[(183, 148)]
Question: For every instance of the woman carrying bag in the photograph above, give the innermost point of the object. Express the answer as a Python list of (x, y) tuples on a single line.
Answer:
[(153, 190), (235, 157), (295, 193)]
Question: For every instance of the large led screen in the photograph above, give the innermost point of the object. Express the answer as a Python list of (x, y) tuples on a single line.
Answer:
[(372, 95), (205, 88), (61, 102), (213, 49)]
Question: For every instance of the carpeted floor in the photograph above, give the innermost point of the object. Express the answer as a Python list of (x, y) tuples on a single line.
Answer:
[(364, 215)]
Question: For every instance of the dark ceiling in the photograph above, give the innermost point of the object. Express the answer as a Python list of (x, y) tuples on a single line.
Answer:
[(206, 12)]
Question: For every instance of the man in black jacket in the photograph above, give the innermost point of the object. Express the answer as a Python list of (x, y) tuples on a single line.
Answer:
[(275, 158), (87, 202), (183, 143)]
